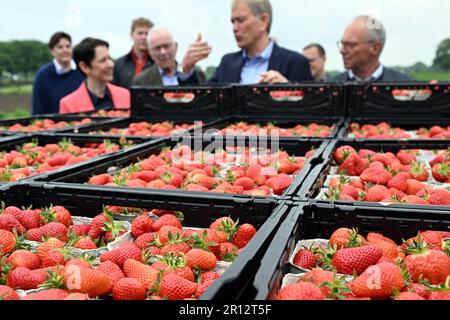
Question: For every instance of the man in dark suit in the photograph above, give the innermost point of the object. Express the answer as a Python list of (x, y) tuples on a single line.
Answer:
[(261, 60), (361, 47), (165, 70)]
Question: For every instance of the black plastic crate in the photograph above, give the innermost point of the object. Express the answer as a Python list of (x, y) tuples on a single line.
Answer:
[(306, 101), (318, 174), (124, 123), (282, 123), (376, 100), (198, 212), (55, 118), (10, 144), (402, 123), (201, 103), (321, 220), (81, 175)]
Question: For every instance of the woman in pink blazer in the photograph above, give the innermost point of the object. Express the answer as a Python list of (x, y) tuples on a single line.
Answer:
[(93, 59)]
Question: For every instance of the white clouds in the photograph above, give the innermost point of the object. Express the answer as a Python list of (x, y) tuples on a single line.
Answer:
[(414, 27)]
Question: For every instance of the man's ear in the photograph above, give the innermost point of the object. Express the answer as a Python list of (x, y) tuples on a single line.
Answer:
[(265, 19), (175, 48), (377, 48), (84, 67)]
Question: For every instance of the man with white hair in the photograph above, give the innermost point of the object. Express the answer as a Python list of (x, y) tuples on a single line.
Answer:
[(361, 46), (166, 71)]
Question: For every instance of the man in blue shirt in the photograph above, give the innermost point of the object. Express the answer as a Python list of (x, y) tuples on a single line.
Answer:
[(260, 60), (57, 78)]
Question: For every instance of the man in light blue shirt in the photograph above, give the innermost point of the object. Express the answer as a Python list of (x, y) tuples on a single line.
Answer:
[(166, 71), (253, 67)]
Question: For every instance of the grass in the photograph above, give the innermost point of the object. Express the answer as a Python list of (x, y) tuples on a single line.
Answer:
[(17, 113), (427, 76), (16, 89)]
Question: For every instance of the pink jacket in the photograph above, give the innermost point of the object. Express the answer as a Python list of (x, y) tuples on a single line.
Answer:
[(79, 100)]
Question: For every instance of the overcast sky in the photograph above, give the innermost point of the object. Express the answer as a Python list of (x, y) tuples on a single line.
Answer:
[(414, 27)]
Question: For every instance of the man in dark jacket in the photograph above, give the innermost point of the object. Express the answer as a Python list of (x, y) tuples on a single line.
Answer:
[(165, 70), (361, 47), (138, 59), (260, 60)]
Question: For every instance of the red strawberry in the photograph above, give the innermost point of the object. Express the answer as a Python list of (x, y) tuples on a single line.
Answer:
[(204, 180), (205, 260), (413, 200), (209, 276), (287, 165), (85, 243), (24, 258), (399, 181), (341, 153), (92, 282), (121, 254), (354, 165), (228, 251), (378, 281), (441, 172), (377, 193), (357, 260), (53, 229), (9, 222), (203, 287), (420, 289), (300, 291), (243, 235), (163, 233), (30, 219), (58, 214), (24, 279), (440, 295), (245, 182), (405, 157), (50, 294), (174, 287), (146, 274), (166, 220), (77, 296), (142, 224), (376, 175), (413, 186), (8, 293), (128, 289), (7, 242), (346, 238), (101, 179), (81, 229), (142, 242), (305, 259), (50, 244), (419, 172), (319, 276), (95, 230), (409, 296), (440, 197), (112, 270)]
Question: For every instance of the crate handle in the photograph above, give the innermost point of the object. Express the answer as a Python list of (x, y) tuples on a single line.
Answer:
[(411, 94), (179, 97), (287, 95)]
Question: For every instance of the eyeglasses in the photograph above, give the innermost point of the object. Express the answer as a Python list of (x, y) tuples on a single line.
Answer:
[(350, 45)]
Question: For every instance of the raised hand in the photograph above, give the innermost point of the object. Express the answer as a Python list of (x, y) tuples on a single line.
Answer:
[(197, 51)]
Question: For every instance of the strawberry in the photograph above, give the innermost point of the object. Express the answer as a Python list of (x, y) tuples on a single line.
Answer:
[(204, 180), (92, 282), (24, 279), (440, 197), (81, 229), (375, 175), (53, 229), (58, 214), (228, 251), (143, 242), (429, 264), (85, 243), (30, 219), (112, 270), (77, 296), (24, 258), (287, 165), (166, 220), (441, 172), (346, 238), (80, 262), (405, 157), (419, 289), (418, 171), (350, 191), (349, 260), (166, 231), (121, 254), (128, 289), (95, 230), (209, 276), (53, 258), (413, 186), (174, 287), (243, 235), (378, 281), (245, 182), (342, 153), (305, 259), (279, 183), (202, 259), (146, 274), (413, 200), (203, 287), (10, 223), (101, 179), (113, 229), (300, 291), (354, 165), (377, 193), (140, 225), (50, 294), (408, 296), (433, 239), (399, 181), (8, 293), (7, 242), (50, 244)]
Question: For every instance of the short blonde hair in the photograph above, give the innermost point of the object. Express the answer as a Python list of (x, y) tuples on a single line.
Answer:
[(141, 22)]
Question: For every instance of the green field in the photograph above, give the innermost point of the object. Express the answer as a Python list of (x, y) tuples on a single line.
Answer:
[(12, 90), (428, 76), (18, 113)]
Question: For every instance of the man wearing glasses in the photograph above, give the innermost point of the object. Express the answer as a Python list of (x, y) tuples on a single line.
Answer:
[(361, 47), (166, 71)]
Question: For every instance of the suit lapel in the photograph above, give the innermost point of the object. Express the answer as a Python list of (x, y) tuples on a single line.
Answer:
[(274, 61), (236, 69)]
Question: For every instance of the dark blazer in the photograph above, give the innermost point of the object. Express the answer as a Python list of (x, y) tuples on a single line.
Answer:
[(124, 70), (292, 65), (389, 75), (152, 77)]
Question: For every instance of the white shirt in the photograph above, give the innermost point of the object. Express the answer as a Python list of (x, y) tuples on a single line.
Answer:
[(59, 68), (375, 76), (172, 80)]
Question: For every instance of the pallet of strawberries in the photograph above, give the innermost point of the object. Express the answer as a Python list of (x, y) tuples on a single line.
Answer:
[(58, 244), (322, 253)]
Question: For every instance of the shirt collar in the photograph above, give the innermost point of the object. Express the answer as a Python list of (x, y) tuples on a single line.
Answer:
[(135, 57), (59, 68), (162, 72), (265, 55), (375, 75)]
